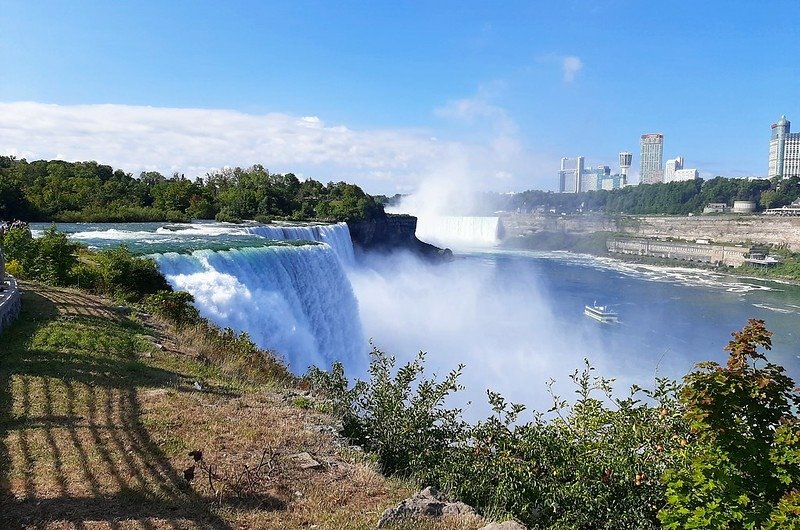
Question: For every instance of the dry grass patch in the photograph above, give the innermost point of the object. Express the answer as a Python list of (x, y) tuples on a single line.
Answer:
[(96, 426)]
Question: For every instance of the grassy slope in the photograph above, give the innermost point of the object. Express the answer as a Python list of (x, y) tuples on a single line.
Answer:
[(96, 423)]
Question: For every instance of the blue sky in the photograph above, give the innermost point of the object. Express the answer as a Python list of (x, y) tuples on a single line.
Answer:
[(393, 94)]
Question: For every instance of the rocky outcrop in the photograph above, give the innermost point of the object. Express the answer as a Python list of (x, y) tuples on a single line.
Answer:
[(427, 503), (393, 232)]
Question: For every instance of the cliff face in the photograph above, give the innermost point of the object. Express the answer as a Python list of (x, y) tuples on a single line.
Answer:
[(394, 232), (783, 231)]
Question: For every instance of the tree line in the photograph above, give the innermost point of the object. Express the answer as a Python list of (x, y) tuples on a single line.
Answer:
[(674, 198), (55, 190)]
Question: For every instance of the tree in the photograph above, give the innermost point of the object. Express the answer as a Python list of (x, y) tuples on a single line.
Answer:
[(742, 467)]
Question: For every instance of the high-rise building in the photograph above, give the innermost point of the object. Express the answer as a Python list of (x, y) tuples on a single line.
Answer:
[(652, 159), (784, 150), (673, 164), (569, 177), (685, 174), (624, 165), (575, 177)]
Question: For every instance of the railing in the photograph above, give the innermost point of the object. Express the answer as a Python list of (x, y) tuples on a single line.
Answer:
[(10, 302)]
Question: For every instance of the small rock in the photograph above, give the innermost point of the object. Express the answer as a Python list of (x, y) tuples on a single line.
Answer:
[(305, 461), (428, 502), (197, 386), (507, 525)]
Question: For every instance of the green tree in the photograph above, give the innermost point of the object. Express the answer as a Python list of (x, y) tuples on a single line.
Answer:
[(742, 467)]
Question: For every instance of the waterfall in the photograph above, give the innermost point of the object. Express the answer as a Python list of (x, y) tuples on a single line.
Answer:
[(336, 235), (295, 300), (459, 231)]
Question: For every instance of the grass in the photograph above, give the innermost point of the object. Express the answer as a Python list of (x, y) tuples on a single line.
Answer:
[(96, 423)]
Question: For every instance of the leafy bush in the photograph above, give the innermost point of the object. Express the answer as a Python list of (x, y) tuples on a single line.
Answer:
[(721, 450), (742, 467), (595, 465), (402, 420), (174, 306), (127, 276), (49, 258)]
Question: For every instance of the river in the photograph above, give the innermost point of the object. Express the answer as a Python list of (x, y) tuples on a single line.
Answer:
[(515, 319)]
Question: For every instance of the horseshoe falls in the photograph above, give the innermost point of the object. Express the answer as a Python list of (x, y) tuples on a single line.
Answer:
[(459, 231)]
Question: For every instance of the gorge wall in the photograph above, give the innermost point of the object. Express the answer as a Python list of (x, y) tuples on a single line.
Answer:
[(783, 231)]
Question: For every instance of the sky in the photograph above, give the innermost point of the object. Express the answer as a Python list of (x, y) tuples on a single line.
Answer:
[(394, 95)]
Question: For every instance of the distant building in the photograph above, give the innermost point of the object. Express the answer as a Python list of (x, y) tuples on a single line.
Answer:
[(569, 177), (715, 207), (624, 165), (685, 174), (575, 177), (651, 169), (671, 167), (744, 207), (784, 150), (791, 210)]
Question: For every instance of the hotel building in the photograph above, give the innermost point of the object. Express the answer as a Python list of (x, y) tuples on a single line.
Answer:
[(784, 150), (651, 162)]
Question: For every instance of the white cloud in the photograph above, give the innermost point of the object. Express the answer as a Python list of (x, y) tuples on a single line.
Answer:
[(570, 66), (195, 141)]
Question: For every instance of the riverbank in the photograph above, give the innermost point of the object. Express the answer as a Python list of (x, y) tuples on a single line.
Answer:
[(108, 419), (595, 244)]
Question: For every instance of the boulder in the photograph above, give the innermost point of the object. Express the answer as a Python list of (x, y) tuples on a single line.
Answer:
[(427, 503)]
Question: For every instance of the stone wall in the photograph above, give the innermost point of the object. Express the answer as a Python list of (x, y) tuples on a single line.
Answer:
[(729, 255), (10, 303), (757, 229)]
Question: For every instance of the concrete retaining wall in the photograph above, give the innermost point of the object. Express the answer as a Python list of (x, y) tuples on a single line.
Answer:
[(716, 254), (10, 303), (756, 229)]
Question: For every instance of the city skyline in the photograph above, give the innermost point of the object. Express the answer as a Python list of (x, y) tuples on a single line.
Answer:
[(393, 95)]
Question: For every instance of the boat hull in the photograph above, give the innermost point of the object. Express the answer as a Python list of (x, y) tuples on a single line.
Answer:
[(601, 315)]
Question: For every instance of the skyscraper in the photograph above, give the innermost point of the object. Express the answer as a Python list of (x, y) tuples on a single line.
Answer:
[(569, 178), (651, 161), (784, 150), (673, 164), (624, 165)]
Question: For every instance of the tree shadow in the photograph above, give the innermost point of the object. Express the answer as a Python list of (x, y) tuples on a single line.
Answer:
[(73, 445)]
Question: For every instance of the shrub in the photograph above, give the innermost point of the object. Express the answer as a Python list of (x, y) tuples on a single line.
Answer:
[(175, 307), (49, 258), (402, 420), (127, 276), (595, 465), (742, 467), (14, 268)]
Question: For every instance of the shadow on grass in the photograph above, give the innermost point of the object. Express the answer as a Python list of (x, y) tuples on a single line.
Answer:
[(73, 446)]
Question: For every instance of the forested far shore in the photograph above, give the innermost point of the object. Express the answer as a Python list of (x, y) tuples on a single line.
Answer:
[(674, 198), (55, 190)]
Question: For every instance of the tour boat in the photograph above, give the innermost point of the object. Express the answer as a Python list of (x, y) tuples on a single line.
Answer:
[(601, 313)]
